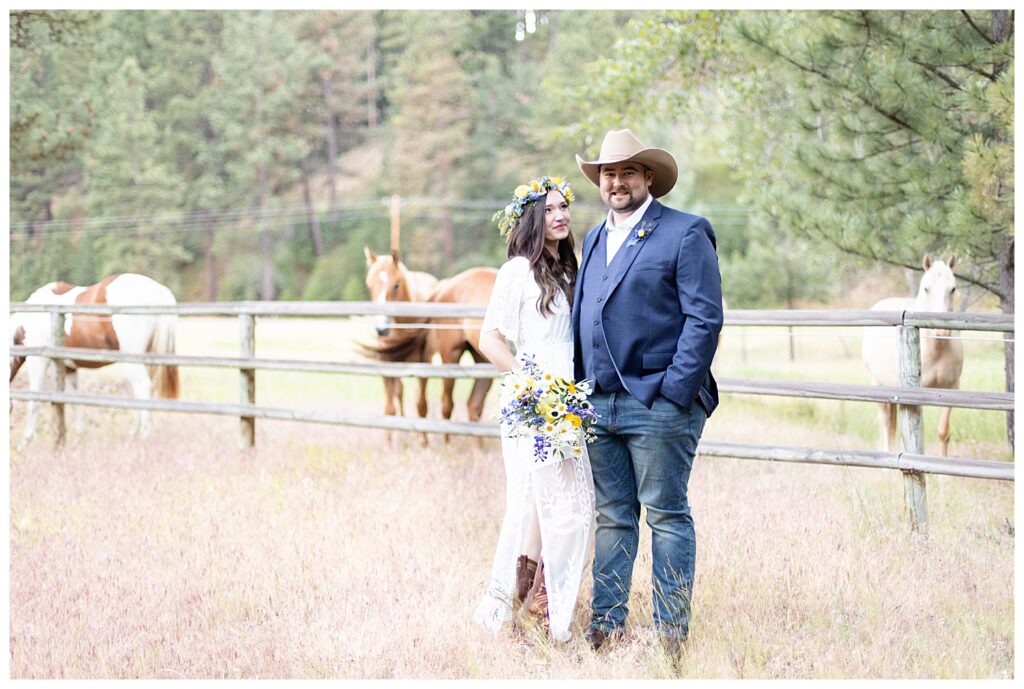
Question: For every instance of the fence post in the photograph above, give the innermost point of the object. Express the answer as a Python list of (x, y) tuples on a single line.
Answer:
[(911, 426), (247, 349), (59, 375)]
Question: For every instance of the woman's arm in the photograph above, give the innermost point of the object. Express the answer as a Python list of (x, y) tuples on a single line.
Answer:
[(494, 346)]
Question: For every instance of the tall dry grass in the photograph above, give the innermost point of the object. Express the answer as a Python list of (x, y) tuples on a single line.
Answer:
[(321, 553)]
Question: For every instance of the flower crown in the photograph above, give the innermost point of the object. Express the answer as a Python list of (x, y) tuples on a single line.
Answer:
[(526, 194)]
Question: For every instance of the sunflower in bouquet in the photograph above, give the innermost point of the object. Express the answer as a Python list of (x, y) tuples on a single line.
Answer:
[(552, 409)]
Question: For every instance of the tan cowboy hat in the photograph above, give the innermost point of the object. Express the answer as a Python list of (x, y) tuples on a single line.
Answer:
[(622, 145)]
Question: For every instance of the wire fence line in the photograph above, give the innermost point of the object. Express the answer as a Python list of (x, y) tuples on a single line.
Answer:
[(244, 217), (304, 208)]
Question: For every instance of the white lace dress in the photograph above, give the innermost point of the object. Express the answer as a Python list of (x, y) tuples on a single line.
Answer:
[(557, 493)]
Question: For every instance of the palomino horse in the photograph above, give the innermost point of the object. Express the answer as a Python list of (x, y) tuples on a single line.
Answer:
[(451, 339), (135, 334), (942, 356), (472, 286), (389, 280)]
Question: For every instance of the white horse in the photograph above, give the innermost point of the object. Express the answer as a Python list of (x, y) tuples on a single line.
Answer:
[(136, 334), (942, 355)]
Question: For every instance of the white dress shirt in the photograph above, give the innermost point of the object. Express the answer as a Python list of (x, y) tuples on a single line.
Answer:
[(617, 233)]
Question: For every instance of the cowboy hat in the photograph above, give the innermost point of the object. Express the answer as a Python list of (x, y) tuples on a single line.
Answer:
[(621, 146)]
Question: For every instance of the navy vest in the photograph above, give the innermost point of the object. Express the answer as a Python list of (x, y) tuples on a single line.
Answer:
[(597, 363)]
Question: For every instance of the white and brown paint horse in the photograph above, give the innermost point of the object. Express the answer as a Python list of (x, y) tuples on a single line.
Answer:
[(942, 355), (135, 334), (388, 280)]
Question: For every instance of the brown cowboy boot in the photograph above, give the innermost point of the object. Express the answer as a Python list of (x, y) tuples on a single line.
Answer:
[(536, 601), (526, 569)]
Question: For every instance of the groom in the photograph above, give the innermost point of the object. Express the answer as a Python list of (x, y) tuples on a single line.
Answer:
[(646, 317)]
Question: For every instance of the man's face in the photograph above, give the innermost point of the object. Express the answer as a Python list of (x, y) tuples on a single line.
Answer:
[(625, 186)]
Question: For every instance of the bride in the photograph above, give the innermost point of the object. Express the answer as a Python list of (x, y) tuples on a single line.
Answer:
[(549, 505)]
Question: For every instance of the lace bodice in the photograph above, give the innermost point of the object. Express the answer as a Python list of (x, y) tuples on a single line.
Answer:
[(512, 311)]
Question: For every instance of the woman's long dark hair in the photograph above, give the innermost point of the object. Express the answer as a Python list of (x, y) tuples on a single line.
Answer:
[(527, 239)]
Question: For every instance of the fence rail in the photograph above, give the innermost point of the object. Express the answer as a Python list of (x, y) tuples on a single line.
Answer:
[(952, 466), (333, 309), (935, 397), (909, 396)]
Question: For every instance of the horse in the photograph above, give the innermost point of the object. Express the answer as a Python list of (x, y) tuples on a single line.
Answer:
[(942, 356), (388, 280), (136, 334), (457, 335), (450, 341)]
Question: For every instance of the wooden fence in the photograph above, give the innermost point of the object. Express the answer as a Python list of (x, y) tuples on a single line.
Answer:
[(909, 396)]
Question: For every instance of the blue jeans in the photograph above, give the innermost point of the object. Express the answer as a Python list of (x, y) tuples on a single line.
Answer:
[(643, 457)]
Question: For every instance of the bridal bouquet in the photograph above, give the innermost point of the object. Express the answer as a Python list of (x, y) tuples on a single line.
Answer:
[(552, 409)]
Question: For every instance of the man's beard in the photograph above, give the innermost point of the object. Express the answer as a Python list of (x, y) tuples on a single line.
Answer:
[(630, 204)]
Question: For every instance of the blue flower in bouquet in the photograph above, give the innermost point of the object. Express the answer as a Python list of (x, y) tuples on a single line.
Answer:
[(554, 410)]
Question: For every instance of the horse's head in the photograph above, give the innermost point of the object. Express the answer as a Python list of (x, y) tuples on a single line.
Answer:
[(17, 339), (386, 280), (937, 285)]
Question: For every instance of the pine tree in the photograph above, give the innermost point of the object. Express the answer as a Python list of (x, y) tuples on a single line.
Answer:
[(431, 122), (124, 175), (261, 75)]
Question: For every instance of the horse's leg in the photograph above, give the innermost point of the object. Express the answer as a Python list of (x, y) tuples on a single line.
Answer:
[(891, 427), (36, 367), (400, 400), (142, 386), (944, 430), (887, 426), (389, 405), (447, 401), (71, 385), (421, 407)]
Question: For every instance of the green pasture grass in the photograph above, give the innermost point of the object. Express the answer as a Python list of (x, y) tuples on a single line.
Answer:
[(829, 354)]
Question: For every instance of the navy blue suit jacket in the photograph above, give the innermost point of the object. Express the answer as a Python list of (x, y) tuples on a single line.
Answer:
[(663, 312)]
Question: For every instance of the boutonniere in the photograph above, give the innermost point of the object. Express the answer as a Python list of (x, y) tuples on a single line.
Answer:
[(641, 232)]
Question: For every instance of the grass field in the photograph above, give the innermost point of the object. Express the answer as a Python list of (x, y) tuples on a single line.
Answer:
[(323, 553)]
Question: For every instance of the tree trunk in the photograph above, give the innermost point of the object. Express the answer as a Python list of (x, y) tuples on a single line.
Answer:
[(1002, 29), (210, 261), (1006, 270), (332, 152), (267, 281), (446, 234), (314, 222), (789, 305), (371, 82)]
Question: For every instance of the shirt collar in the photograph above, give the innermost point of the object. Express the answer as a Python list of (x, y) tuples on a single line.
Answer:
[(631, 221)]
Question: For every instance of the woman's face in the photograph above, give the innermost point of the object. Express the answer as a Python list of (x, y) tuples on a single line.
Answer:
[(556, 219)]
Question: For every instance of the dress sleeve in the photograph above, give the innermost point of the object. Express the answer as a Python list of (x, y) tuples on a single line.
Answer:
[(506, 301)]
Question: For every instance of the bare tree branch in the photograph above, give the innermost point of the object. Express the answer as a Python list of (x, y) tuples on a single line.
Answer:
[(978, 29)]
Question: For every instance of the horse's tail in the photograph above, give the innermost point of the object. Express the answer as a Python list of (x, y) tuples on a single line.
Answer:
[(165, 378), (407, 345)]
